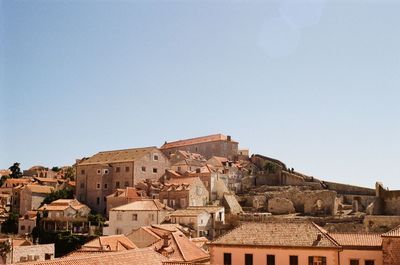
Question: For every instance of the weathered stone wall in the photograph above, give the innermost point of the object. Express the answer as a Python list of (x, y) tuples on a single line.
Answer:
[(362, 200), (278, 205), (320, 202), (380, 223), (349, 189), (390, 200), (391, 250), (31, 253)]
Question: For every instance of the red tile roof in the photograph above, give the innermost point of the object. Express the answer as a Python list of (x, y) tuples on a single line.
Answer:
[(126, 155), (393, 233), (143, 205), (110, 243), (357, 239), (280, 233), (197, 140), (144, 256)]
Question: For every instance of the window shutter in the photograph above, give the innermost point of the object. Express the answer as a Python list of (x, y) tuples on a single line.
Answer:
[(310, 260)]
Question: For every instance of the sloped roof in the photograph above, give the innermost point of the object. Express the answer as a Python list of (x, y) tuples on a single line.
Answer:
[(143, 205), (144, 256), (39, 188), (232, 203), (62, 204), (125, 155), (128, 192), (357, 239), (179, 249), (109, 243), (197, 140), (188, 212), (182, 180), (393, 233), (278, 233)]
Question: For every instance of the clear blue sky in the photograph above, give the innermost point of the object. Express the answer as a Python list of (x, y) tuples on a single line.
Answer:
[(316, 85)]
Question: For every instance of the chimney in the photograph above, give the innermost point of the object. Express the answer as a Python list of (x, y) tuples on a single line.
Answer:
[(228, 138), (165, 238)]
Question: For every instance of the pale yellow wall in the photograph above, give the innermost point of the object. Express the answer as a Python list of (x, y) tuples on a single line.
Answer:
[(361, 255), (281, 255)]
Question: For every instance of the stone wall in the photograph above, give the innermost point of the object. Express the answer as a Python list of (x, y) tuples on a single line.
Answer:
[(320, 202), (31, 253), (349, 189), (390, 200), (391, 250), (380, 223)]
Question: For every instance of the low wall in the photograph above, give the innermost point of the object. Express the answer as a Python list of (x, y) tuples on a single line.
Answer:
[(349, 189), (380, 223)]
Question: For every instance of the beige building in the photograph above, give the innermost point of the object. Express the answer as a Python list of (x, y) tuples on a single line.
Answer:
[(204, 220), (123, 196), (27, 222), (31, 197), (294, 242), (103, 173), (125, 218), (181, 192), (207, 146)]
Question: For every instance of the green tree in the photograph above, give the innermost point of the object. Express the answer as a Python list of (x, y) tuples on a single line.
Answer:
[(55, 169), (10, 225), (15, 171), (70, 173), (3, 179), (5, 248), (59, 194)]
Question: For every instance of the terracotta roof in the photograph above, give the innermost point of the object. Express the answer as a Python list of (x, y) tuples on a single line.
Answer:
[(117, 156), (40, 188), (179, 248), (62, 204), (393, 233), (143, 205), (46, 179), (144, 256), (109, 243), (187, 212), (357, 239), (182, 180), (280, 233), (128, 192), (197, 140), (207, 208)]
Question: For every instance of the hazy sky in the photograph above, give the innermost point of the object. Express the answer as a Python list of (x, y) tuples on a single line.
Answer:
[(315, 84)]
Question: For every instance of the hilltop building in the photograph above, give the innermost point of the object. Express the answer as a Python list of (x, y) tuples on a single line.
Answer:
[(207, 146), (103, 173)]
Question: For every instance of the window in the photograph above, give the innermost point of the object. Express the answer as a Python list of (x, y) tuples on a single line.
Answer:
[(151, 216), (126, 169), (98, 171), (354, 262), (104, 199), (119, 216), (316, 260), (227, 259), (369, 262), (248, 259), (126, 183), (105, 186), (155, 157), (117, 184), (22, 227), (143, 169), (105, 171), (98, 200), (154, 170), (179, 169), (294, 260), (270, 259), (98, 185), (82, 185), (134, 217), (82, 172), (118, 169)]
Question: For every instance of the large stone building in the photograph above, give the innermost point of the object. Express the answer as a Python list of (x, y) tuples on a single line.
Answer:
[(103, 173), (207, 146)]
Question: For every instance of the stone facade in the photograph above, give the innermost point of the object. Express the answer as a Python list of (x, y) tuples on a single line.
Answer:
[(31, 253), (31, 197), (391, 250), (102, 174), (179, 193), (207, 146)]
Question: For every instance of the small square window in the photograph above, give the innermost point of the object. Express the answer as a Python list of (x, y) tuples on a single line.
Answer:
[(270, 259), (126, 183), (117, 184), (105, 186), (98, 185), (22, 227), (118, 169), (154, 170), (369, 262), (83, 172), (126, 169), (98, 200), (227, 259), (105, 171), (119, 216), (354, 262), (99, 171), (134, 217), (143, 169), (155, 157)]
